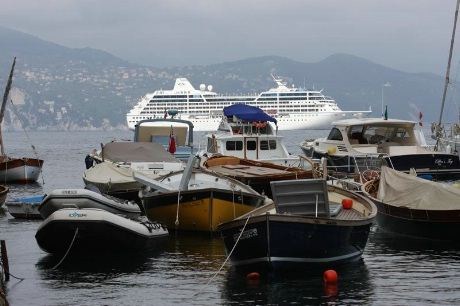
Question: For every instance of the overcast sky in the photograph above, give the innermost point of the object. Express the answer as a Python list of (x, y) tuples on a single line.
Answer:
[(408, 35)]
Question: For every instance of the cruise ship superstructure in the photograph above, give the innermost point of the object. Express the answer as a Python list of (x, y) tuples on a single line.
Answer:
[(294, 108)]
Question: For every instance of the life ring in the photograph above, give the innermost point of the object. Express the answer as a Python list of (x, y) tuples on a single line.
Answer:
[(370, 175)]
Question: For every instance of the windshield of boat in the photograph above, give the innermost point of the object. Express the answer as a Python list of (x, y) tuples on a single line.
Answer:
[(381, 133)]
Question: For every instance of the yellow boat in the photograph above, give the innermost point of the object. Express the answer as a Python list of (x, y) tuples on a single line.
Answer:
[(206, 201)]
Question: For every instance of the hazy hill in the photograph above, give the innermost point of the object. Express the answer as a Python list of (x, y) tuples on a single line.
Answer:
[(61, 87)]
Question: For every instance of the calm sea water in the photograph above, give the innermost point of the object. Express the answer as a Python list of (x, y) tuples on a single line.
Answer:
[(394, 271)]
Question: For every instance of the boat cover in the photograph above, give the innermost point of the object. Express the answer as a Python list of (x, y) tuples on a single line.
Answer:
[(247, 113), (404, 190), (136, 152)]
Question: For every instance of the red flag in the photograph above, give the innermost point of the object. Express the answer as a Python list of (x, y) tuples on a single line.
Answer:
[(172, 142)]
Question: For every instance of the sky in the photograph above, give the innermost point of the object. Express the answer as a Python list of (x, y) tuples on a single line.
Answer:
[(412, 36)]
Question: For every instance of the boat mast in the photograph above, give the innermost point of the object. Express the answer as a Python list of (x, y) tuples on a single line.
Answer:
[(5, 100), (446, 84)]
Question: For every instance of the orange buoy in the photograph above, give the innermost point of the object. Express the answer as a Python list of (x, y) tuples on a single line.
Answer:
[(330, 277), (253, 276), (347, 203)]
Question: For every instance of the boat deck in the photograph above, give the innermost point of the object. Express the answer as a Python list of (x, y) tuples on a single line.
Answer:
[(247, 171)]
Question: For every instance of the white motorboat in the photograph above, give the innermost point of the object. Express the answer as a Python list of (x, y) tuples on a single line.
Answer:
[(113, 174), (97, 230), (247, 132), (398, 143), (84, 198)]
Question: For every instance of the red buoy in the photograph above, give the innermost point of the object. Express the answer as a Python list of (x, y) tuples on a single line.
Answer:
[(347, 203), (253, 276), (330, 277)]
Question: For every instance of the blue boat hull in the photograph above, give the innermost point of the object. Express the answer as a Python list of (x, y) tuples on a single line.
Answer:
[(281, 241)]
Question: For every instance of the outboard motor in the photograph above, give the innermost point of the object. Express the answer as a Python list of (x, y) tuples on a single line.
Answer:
[(89, 161)]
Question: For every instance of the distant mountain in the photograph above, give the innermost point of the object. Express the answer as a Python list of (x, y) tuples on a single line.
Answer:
[(60, 87)]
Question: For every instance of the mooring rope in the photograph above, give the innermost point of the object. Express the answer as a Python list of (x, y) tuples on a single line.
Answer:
[(68, 250), (226, 259), (28, 138), (176, 223)]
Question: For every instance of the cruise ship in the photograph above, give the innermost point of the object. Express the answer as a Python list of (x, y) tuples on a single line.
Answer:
[(294, 108)]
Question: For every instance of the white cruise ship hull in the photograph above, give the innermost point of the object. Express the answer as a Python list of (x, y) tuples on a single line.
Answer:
[(304, 121)]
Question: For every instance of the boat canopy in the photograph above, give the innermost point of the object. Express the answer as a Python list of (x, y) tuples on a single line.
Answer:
[(136, 152), (404, 190), (247, 113)]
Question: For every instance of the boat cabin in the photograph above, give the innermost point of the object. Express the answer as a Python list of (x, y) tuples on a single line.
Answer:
[(372, 136), (162, 130), (247, 132)]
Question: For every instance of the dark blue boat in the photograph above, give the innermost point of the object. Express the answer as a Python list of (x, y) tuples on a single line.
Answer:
[(306, 225)]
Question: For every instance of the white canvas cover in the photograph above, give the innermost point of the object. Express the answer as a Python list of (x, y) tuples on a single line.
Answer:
[(136, 152), (404, 190)]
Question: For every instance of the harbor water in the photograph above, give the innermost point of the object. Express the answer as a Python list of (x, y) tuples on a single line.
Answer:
[(393, 271)]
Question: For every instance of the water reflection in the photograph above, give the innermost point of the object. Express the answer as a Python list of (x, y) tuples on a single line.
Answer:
[(305, 287)]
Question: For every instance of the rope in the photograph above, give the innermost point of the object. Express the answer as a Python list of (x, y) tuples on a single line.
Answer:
[(28, 138), (68, 250), (226, 259), (176, 223)]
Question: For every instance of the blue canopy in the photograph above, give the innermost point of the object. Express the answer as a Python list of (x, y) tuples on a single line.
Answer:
[(247, 113)]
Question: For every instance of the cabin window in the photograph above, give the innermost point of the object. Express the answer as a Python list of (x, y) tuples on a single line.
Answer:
[(335, 134), (251, 145), (264, 145), (234, 145)]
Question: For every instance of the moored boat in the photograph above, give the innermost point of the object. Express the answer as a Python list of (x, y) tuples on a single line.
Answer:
[(309, 223), (397, 143), (25, 207), (16, 170), (412, 206), (256, 174), (113, 174), (196, 200), (248, 132), (84, 198), (97, 230)]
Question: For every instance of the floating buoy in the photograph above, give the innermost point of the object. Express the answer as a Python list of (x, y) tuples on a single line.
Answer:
[(331, 150), (347, 203), (330, 277), (253, 276)]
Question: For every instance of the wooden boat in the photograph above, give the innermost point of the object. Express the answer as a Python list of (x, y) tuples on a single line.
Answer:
[(16, 170), (306, 225), (256, 174), (97, 230), (25, 207), (196, 200), (413, 206), (3, 193)]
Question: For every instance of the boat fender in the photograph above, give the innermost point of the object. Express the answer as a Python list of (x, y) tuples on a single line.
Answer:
[(331, 150), (347, 203)]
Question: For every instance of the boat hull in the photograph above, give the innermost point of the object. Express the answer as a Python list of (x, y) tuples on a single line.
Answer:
[(98, 231), (199, 210), (25, 208), (20, 170), (280, 241), (440, 166), (419, 223)]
